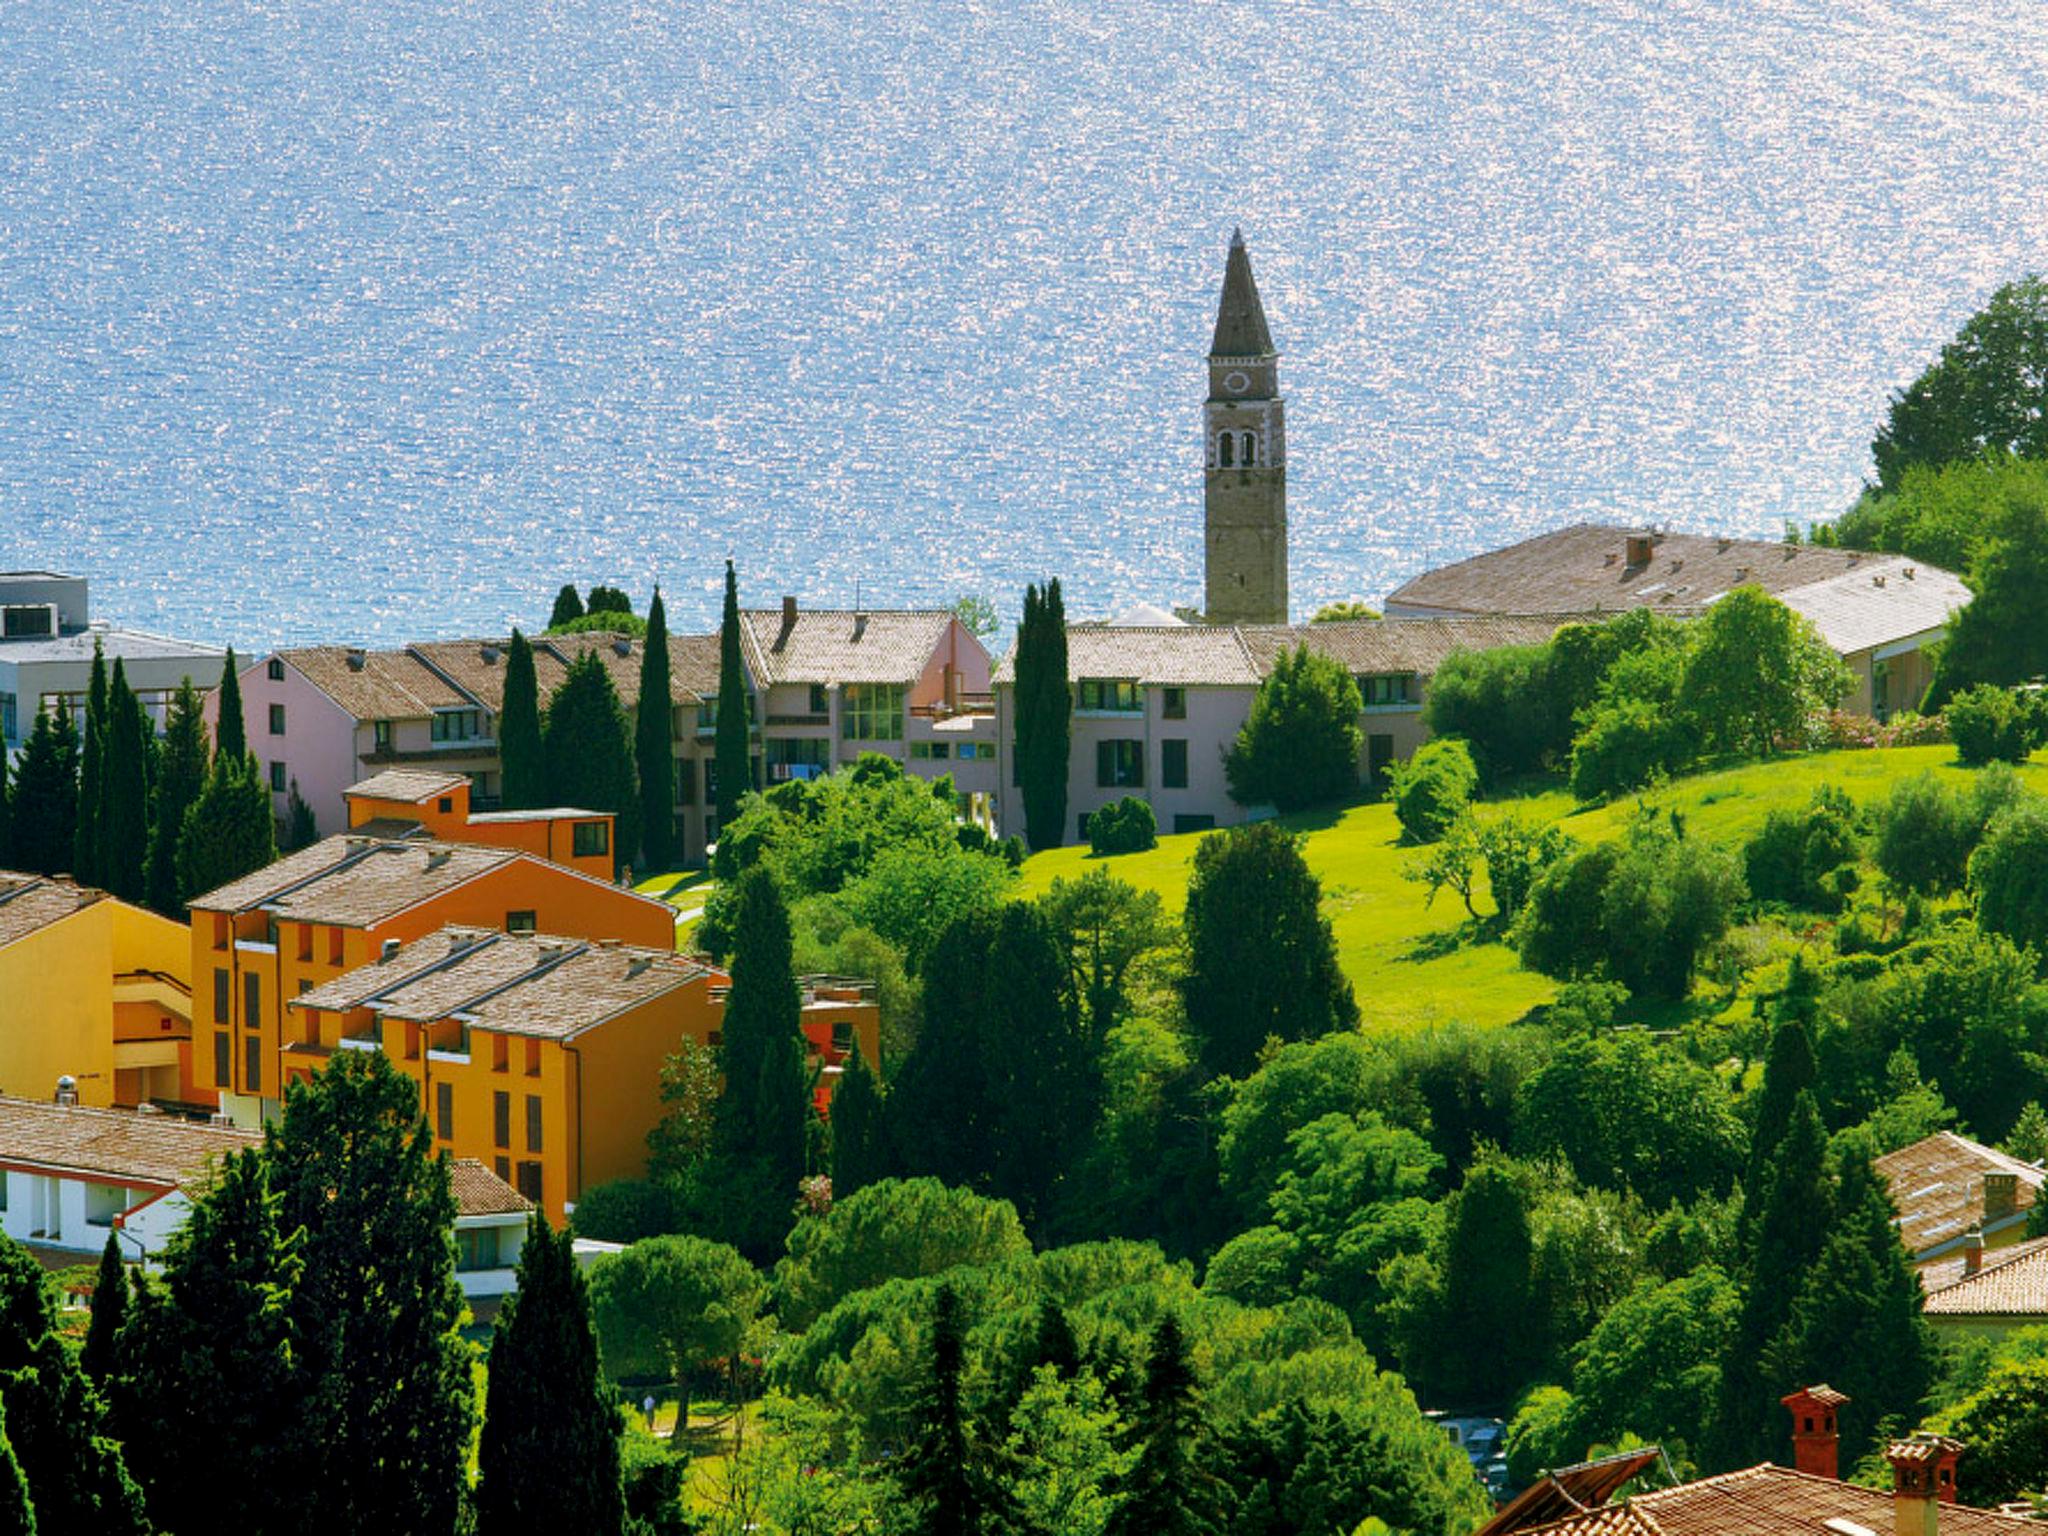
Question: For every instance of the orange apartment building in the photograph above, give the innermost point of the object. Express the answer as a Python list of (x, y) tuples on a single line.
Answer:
[(325, 911), (540, 1055), (431, 802)]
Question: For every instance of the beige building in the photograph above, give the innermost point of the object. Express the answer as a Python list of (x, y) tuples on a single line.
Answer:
[(1989, 1293)]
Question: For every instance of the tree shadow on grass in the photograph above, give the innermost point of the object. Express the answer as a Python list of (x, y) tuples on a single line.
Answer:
[(1469, 934)]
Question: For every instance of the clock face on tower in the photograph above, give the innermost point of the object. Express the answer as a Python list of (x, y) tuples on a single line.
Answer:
[(1236, 383)]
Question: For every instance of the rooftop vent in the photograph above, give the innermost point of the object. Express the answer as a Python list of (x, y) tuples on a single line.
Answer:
[(1907, 573), (389, 951), (1640, 546), (623, 645), (638, 966), (67, 1090), (357, 658), (788, 621), (860, 626), (490, 655), (1612, 558)]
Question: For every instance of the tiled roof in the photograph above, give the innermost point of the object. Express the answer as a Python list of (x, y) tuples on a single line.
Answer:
[(32, 902), (1403, 645), (2012, 1283), (1767, 1500), (1180, 655), (1585, 568), (355, 881), (387, 685), (113, 1145), (834, 646), (480, 1192), (415, 786), (477, 668), (1937, 1186), (1879, 602), (519, 984)]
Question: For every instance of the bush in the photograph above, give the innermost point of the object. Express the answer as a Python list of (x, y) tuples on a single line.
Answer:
[(1300, 742), (1625, 744), (1516, 855), (1563, 931), (1907, 729), (1924, 836), (2009, 875), (1992, 725), (1123, 826), (1502, 703), (606, 621), (626, 1210), (1432, 789), (1806, 858)]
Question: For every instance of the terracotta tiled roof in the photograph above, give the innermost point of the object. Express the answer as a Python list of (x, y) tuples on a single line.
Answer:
[(1179, 655), (480, 1192), (519, 984), (415, 786), (1937, 1187), (1767, 1500), (2012, 1283), (113, 1145), (355, 881), (477, 667), (388, 685), (29, 903), (834, 646), (1403, 645)]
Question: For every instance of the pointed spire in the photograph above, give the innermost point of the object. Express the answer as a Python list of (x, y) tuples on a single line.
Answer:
[(1240, 318)]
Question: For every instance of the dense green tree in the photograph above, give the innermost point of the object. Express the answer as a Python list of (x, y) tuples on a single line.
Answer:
[(977, 615), (1432, 789), (124, 794), (589, 754), (1299, 744), (180, 776), (1924, 836), (230, 726), (1807, 857), (605, 599), (761, 1122), (1503, 704), (1755, 671), (88, 833), (653, 749), (860, 1146), (44, 805), (943, 1475), (1990, 724), (1103, 927), (941, 1098), (229, 830), (100, 1356), (1171, 1491), (376, 1313), (2005, 1424), (27, 1310), (1652, 1366), (1044, 714), (1984, 394), (678, 1307), (732, 755), (1262, 960), (524, 783), (908, 895), (2009, 876), (17, 1511), (568, 606), (1939, 513), (1344, 611), (1997, 638), (1789, 1071), (1065, 1455), (548, 1458), (1490, 1338), (1634, 730)]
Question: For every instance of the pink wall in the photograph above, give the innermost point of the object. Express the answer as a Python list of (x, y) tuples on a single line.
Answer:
[(318, 747)]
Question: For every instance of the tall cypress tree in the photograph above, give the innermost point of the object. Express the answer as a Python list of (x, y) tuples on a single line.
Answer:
[(732, 757), (1044, 715), (940, 1107), (1789, 1071), (860, 1150), (180, 776), (943, 1475), (524, 785), (109, 1309), (45, 800), (568, 606), (88, 838), (549, 1458), (17, 1513), (230, 730), (376, 1313), (589, 752), (124, 794), (762, 1120), (229, 830), (1170, 1491), (653, 749), (1042, 1107)]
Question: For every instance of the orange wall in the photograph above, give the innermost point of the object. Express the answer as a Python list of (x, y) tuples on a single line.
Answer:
[(551, 837)]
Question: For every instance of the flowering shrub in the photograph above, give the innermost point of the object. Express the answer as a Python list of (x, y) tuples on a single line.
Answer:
[(1839, 730)]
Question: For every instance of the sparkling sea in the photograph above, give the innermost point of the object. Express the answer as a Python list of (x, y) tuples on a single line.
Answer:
[(379, 319)]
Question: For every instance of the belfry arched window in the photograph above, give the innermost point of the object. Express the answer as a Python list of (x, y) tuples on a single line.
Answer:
[(1250, 451), (1225, 448)]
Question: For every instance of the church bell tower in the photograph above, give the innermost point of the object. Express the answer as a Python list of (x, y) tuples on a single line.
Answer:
[(1245, 437)]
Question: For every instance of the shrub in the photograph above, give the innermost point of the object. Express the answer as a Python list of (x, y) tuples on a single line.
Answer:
[(1624, 744), (1516, 855), (1501, 703), (1907, 729), (1806, 858), (1432, 788), (1563, 931), (1299, 744), (1991, 725), (2009, 875), (1123, 826), (1923, 836)]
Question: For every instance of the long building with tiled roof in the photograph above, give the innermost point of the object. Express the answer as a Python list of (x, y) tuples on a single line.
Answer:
[(1946, 1186)]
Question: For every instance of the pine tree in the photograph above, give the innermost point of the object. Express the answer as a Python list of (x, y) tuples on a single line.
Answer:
[(109, 1309), (859, 1144), (732, 757), (375, 1314), (1170, 1491), (589, 752), (17, 1513), (228, 831), (207, 1360), (653, 749), (45, 801), (1042, 1105), (124, 793), (549, 1459), (88, 841), (942, 1475), (1044, 715), (181, 775), (525, 774), (230, 730), (568, 606)]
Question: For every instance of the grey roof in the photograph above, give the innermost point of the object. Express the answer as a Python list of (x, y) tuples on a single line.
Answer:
[(1240, 317), (415, 786), (115, 644), (1878, 603)]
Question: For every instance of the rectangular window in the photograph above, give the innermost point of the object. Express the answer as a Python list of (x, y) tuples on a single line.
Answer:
[(501, 1119), (277, 719), (476, 1248), (1110, 695), (501, 1053), (972, 751), (502, 1167), (277, 779), (686, 781), (533, 1058), (275, 671), (223, 997), (444, 1111), (334, 946), (252, 1064), (252, 999), (28, 620), (305, 940), (519, 922), (1173, 763), (456, 725), (1173, 703), (533, 1138), (1388, 688), (590, 839), (1120, 764), (871, 711), (1193, 822), (380, 731), (10, 721), (223, 1061), (528, 1182), (820, 702), (305, 985), (931, 751)]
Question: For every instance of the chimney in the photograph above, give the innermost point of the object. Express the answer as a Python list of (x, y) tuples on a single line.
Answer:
[(389, 951), (490, 655), (1815, 1443), (356, 658), (67, 1091), (2001, 1195), (1923, 1479), (1973, 1250), (1640, 546), (1907, 573), (788, 621)]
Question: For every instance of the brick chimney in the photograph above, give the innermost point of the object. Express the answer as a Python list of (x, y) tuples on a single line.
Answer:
[(1640, 547), (1923, 1479), (1973, 1250), (788, 622), (2001, 1195), (1815, 1445)]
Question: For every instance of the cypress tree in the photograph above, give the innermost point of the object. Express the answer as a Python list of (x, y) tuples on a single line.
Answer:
[(524, 769), (732, 757), (375, 1315), (568, 606), (109, 1309), (859, 1145), (230, 730), (1789, 1071), (1170, 1491), (16, 1512), (6, 815), (942, 1475), (300, 830), (180, 776), (1044, 715), (653, 749), (88, 839), (589, 752), (228, 831), (45, 800), (124, 795), (940, 1108), (549, 1458), (1042, 1101)]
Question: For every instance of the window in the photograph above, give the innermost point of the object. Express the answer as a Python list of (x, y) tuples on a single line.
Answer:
[(1388, 688), (871, 712), (686, 781), (252, 999), (457, 725), (502, 1167), (28, 619), (223, 993), (444, 1111), (931, 751), (445, 805), (334, 946), (1248, 449), (1226, 450), (380, 731), (590, 839), (820, 700), (1173, 703), (10, 722), (520, 922), (1173, 763), (1120, 764), (533, 1138), (277, 719), (305, 986), (533, 1058), (275, 671), (277, 779), (501, 1053), (1113, 696), (476, 1248), (972, 751), (305, 940), (223, 1061), (252, 1064), (528, 1183), (501, 1119), (1193, 822)]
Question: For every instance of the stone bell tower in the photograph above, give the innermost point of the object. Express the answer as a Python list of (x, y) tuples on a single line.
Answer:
[(1245, 438)]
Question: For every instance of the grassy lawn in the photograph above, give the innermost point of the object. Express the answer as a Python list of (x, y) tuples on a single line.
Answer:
[(1406, 963), (685, 890)]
